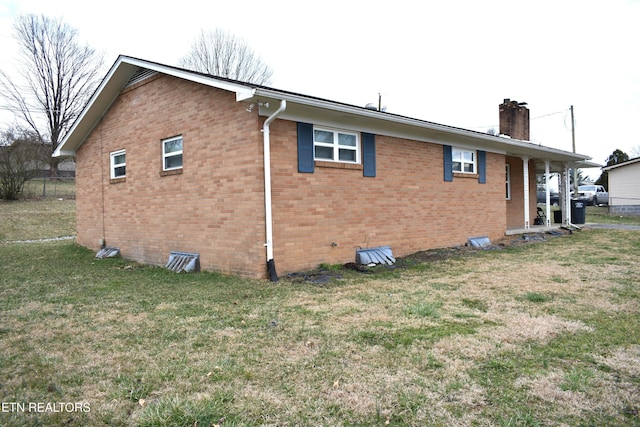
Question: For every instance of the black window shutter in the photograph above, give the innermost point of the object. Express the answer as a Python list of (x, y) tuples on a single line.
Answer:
[(448, 163), (305, 147), (368, 154), (482, 167)]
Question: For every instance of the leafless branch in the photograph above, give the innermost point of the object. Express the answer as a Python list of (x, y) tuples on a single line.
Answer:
[(55, 78), (222, 54), (21, 156)]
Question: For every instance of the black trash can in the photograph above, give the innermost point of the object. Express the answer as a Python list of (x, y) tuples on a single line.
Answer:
[(557, 217), (578, 211)]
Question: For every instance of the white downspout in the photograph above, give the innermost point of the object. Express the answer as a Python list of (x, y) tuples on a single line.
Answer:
[(268, 214)]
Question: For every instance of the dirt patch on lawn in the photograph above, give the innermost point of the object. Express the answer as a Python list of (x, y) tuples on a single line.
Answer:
[(441, 254), (324, 276)]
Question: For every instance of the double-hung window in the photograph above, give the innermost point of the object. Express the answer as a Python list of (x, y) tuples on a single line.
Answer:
[(118, 164), (336, 145), (463, 160), (172, 153)]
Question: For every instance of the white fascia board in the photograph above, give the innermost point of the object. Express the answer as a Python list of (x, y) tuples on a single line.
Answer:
[(242, 91), (68, 146), (628, 162), (586, 164), (373, 121), (437, 133), (109, 89)]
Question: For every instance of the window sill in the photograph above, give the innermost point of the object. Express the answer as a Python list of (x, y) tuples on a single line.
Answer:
[(338, 165), (117, 180), (465, 175), (171, 172)]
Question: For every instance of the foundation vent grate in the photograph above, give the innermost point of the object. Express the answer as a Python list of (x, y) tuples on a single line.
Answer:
[(183, 261)]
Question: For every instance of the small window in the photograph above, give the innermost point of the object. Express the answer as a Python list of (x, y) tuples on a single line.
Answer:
[(508, 181), (463, 160), (118, 164), (172, 153), (335, 146)]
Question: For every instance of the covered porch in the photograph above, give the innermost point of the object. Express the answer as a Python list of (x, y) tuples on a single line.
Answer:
[(525, 161), (522, 210)]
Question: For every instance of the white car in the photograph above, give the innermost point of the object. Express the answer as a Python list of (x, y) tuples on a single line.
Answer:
[(593, 194)]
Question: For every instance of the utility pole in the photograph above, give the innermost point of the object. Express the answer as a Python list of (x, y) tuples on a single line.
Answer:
[(573, 142)]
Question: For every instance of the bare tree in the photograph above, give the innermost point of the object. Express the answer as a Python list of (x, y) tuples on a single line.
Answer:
[(222, 54), (21, 156), (55, 77)]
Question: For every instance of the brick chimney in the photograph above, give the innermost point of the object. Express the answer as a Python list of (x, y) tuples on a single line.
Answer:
[(514, 119)]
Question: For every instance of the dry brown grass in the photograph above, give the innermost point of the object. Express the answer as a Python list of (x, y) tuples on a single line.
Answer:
[(541, 335), (37, 219)]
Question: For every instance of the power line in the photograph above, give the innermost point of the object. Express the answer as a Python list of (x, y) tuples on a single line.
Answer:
[(550, 114), (534, 118)]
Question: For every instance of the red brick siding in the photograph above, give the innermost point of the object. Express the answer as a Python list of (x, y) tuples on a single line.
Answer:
[(215, 207), (408, 205), (515, 206)]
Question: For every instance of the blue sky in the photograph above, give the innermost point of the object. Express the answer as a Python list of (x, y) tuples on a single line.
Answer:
[(450, 62)]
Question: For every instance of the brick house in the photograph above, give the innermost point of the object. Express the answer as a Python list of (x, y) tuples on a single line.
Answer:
[(249, 176)]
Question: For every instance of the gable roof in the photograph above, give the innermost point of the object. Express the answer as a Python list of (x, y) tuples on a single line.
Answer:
[(127, 70), (618, 165)]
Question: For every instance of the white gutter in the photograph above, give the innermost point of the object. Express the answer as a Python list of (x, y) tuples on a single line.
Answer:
[(268, 214), (515, 147)]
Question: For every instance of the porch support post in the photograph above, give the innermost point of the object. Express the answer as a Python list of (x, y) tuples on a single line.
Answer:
[(562, 183), (547, 177), (568, 207), (566, 180), (525, 174)]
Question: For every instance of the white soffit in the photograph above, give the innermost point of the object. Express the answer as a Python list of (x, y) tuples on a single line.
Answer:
[(116, 79), (328, 113)]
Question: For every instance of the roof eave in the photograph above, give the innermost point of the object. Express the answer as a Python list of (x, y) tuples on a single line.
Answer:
[(115, 80), (626, 163), (125, 67), (493, 143)]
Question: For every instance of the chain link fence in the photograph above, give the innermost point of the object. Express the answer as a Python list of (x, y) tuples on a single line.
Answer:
[(45, 187)]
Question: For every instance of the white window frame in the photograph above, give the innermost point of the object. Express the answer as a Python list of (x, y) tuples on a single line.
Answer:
[(113, 166), (166, 155), (335, 145), (457, 156), (508, 181)]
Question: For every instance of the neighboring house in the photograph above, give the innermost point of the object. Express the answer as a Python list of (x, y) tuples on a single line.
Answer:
[(624, 187), (35, 157), (251, 177)]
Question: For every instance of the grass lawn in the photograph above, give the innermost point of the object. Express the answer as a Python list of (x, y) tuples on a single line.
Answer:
[(37, 187), (37, 219), (537, 334), (600, 214)]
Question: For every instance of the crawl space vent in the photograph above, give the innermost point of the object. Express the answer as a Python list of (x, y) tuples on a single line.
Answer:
[(378, 255), (108, 252), (480, 242), (183, 261)]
